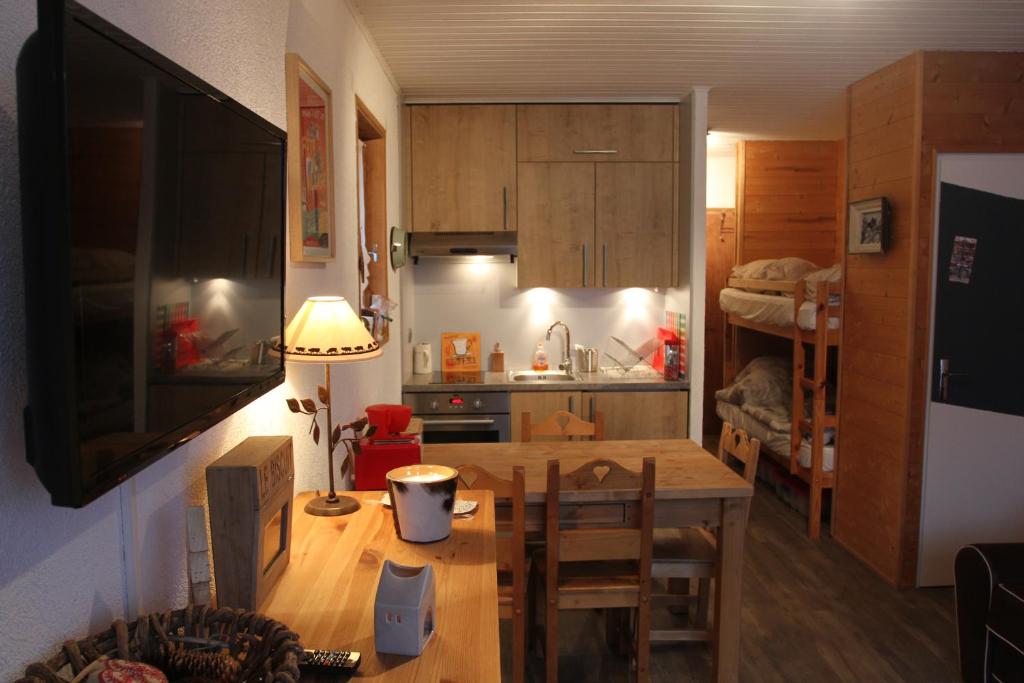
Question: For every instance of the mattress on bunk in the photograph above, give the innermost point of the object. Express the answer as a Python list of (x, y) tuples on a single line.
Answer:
[(778, 442), (769, 309)]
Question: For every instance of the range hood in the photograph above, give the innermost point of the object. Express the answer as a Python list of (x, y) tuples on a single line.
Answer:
[(463, 245)]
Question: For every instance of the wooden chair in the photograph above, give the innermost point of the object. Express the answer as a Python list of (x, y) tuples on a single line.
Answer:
[(510, 552), (692, 553), (563, 423), (605, 568)]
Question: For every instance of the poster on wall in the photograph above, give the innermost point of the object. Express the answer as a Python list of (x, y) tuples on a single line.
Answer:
[(310, 164), (961, 261)]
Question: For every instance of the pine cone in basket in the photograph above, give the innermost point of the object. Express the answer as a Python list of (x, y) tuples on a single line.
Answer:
[(209, 666)]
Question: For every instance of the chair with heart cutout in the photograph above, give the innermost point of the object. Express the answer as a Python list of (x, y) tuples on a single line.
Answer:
[(565, 424), (607, 568)]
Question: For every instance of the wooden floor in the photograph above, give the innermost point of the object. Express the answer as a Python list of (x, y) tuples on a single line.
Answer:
[(811, 612)]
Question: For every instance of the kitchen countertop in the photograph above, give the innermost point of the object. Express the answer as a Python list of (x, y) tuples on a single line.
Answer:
[(588, 381)]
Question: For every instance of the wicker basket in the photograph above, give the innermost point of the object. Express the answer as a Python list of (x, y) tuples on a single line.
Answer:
[(266, 650)]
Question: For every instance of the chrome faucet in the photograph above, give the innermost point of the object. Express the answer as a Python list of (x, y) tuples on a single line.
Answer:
[(566, 364)]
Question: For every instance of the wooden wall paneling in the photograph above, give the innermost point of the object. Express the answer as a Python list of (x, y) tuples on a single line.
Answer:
[(842, 201), (741, 188), (721, 257), (910, 489), (870, 484), (787, 200)]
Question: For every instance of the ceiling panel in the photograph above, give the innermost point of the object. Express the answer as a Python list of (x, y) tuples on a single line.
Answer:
[(777, 68)]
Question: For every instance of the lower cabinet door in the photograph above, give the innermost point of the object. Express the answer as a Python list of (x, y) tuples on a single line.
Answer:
[(639, 414), (540, 405)]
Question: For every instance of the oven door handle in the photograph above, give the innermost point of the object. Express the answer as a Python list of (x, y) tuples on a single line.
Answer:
[(431, 423)]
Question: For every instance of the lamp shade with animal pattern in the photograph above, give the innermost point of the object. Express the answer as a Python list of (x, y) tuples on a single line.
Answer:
[(327, 330)]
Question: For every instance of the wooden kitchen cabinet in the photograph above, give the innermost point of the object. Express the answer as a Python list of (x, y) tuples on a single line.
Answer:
[(463, 167), (635, 224), (597, 132), (556, 237), (597, 195), (639, 414), (541, 404)]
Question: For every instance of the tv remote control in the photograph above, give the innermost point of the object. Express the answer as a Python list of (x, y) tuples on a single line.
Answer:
[(335, 663)]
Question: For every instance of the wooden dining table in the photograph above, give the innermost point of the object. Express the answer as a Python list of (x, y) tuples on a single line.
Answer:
[(693, 489), (326, 593)]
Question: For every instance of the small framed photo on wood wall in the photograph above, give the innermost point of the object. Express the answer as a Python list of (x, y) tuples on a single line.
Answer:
[(310, 163), (869, 226)]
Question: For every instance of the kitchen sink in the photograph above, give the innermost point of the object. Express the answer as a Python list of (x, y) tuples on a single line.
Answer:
[(540, 376)]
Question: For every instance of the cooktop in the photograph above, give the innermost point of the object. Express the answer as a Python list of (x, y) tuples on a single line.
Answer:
[(457, 378)]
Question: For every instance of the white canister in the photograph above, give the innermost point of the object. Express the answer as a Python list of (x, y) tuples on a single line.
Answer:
[(421, 359), (422, 500)]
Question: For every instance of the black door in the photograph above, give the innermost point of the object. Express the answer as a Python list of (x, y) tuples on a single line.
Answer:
[(979, 301)]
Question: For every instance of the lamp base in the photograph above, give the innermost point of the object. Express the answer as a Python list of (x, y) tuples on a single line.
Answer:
[(322, 507)]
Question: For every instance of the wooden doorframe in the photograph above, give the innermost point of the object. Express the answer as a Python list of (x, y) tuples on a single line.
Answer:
[(371, 132)]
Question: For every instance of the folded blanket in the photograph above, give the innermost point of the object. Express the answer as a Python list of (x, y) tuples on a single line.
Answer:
[(766, 381)]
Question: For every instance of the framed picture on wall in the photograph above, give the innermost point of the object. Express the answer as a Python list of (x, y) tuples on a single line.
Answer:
[(869, 226), (310, 163)]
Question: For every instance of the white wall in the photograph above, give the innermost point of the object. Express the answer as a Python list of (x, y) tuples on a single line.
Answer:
[(64, 573), (482, 297), (333, 44), (721, 193)]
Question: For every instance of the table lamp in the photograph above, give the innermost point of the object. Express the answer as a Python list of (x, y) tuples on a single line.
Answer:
[(326, 330)]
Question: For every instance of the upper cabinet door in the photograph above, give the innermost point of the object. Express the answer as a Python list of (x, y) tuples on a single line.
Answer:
[(463, 162), (597, 132), (635, 213), (556, 235)]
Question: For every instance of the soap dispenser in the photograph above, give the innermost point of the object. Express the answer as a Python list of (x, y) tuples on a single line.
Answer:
[(540, 358)]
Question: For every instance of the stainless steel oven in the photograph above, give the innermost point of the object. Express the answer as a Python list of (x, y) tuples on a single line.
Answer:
[(462, 417)]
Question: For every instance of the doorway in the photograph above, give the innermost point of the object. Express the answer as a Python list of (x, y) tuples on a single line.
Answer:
[(974, 429), (372, 195)]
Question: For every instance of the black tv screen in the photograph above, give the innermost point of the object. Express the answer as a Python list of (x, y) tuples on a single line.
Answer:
[(153, 233)]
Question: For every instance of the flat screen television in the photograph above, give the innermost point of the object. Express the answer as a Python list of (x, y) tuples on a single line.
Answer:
[(153, 238)]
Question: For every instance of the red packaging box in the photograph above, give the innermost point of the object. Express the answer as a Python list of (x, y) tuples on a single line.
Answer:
[(375, 460)]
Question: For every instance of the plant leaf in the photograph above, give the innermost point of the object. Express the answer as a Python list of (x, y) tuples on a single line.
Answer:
[(293, 405), (336, 436), (321, 392), (356, 449), (356, 425), (308, 404), (345, 467), (316, 433), (371, 431)]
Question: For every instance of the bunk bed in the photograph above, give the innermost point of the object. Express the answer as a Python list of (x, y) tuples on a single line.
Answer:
[(807, 313)]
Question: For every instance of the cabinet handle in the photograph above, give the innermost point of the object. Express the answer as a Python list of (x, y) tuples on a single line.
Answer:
[(593, 412), (585, 278), (571, 403), (504, 208), (595, 151), (604, 265)]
